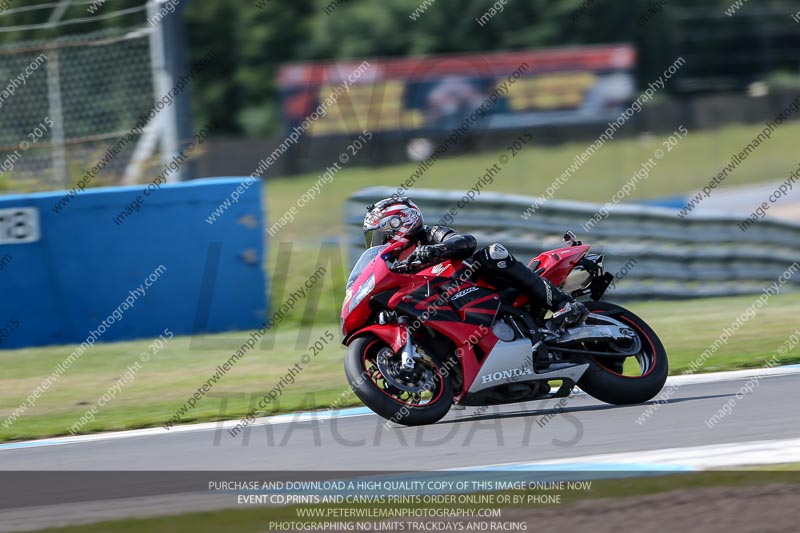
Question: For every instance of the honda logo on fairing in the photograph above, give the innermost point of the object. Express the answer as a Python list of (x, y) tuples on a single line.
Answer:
[(438, 269), (506, 374)]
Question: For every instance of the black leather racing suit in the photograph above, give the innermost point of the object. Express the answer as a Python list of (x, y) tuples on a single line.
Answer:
[(493, 262)]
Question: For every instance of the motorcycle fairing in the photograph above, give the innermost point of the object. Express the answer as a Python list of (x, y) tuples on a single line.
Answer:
[(460, 309), (391, 334), (557, 264), (471, 355), (457, 323)]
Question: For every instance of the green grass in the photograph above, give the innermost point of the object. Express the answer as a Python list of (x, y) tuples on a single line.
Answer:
[(256, 520), (689, 166), (687, 328), (163, 384), (788, 467)]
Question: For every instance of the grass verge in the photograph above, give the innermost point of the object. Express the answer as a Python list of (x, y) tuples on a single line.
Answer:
[(175, 373), (687, 328), (688, 167)]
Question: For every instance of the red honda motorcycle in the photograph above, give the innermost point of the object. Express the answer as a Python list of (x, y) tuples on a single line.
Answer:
[(421, 338)]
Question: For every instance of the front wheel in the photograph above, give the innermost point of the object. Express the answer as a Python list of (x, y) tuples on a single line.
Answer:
[(636, 379), (409, 397)]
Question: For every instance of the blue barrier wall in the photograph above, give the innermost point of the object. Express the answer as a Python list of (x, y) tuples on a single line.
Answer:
[(86, 267)]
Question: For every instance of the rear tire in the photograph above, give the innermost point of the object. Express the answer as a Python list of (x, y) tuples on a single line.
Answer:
[(604, 380), (373, 389)]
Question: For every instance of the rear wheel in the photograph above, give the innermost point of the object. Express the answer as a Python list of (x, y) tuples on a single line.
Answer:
[(409, 397), (635, 379)]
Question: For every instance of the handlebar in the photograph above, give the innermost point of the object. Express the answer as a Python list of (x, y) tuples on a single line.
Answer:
[(404, 266)]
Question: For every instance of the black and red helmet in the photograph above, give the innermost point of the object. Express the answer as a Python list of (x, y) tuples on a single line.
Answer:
[(391, 219)]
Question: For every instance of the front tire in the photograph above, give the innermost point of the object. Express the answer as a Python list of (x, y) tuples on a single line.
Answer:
[(415, 398), (605, 379)]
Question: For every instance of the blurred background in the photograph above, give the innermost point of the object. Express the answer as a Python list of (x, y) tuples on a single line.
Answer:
[(106, 60), (115, 97)]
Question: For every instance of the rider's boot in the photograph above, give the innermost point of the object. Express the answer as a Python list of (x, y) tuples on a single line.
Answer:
[(566, 310), (570, 314)]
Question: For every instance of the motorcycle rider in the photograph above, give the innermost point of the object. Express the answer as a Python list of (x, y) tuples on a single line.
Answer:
[(399, 219)]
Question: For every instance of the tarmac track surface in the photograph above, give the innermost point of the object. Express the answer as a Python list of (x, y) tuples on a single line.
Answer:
[(518, 433)]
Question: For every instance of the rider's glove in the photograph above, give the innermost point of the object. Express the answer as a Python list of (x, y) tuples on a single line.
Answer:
[(427, 254)]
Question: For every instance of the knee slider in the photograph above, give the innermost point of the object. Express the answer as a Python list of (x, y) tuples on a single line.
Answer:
[(497, 252)]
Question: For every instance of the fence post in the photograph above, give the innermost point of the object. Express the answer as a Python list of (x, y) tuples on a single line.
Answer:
[(60, 173)]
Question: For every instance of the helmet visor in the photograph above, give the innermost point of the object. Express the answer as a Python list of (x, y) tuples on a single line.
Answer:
[(377, 237)]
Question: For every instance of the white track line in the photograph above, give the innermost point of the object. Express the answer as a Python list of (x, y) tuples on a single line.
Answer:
[(677, 459), (695, 379), (732, 375)]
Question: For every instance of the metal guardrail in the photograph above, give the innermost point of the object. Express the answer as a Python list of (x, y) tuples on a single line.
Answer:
[(661, 255)]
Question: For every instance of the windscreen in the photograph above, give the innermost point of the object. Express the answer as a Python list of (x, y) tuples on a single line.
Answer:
[(363, 261)]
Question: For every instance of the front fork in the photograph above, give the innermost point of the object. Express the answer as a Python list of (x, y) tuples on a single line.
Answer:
[(409, 353), (392, 334)]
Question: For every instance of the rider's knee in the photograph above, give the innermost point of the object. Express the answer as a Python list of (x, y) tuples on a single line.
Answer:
[(496, 255)]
